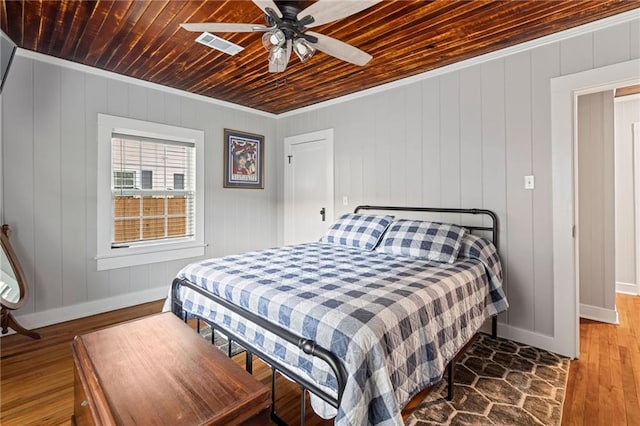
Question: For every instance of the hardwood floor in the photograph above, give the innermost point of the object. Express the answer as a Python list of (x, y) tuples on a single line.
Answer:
[(604, 384), (36, 377)]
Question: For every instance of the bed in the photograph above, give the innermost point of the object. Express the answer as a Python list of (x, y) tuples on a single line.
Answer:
[(363, 325)]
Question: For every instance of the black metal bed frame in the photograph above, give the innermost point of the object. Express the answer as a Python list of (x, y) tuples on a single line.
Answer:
[(308, 346)]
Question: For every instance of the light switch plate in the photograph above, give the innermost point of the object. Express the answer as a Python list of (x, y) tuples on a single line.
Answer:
[(345, 200), (529, 182)]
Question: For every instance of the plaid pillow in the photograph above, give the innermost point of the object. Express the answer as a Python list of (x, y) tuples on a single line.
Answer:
[(357, 230), (440, 242)]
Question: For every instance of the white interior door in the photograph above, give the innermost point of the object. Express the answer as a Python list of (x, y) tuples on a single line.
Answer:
[(308, 181)]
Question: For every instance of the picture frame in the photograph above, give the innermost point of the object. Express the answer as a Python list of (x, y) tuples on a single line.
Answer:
[(243, 160)]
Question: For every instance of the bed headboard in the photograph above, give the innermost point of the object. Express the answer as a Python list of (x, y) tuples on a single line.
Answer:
[(483, 212)]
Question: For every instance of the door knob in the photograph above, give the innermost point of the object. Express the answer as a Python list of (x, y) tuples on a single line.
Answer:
[(323, 213)]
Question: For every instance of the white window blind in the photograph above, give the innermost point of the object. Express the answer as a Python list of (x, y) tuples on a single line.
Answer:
[(148, 203)]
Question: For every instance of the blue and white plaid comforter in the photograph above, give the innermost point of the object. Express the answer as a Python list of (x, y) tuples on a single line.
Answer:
[(394, 321)]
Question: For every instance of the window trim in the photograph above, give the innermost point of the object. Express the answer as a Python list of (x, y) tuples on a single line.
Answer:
[(108, 257)]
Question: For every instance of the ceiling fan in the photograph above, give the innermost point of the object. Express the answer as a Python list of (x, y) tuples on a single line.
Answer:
[(286, 30)]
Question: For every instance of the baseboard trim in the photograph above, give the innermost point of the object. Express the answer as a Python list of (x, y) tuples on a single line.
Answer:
[(81, 310), (627, 288), (597, 313)]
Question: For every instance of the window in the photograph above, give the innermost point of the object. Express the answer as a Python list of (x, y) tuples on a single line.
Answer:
[(150, 192), (147, 179), (178, 181), (152, 210), (124, 179)]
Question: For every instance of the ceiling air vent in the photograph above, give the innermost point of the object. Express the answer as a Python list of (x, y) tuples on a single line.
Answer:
[(219, 44)]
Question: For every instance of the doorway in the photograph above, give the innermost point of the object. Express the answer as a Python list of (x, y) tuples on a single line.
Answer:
[(564, 92), (636, 160), (596, 206), (308, 186)]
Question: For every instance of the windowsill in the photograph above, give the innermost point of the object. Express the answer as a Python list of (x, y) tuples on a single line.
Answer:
[(134, 256)]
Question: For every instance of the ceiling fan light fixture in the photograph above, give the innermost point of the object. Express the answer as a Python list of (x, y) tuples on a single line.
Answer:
[(286, 31), (303, 49), (276, 55), (272, 39)]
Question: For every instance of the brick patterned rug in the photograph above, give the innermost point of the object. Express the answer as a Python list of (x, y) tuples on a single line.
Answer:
[(220, 341), (499, 382)]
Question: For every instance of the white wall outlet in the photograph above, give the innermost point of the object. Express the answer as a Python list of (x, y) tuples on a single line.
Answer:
[(345, 200), (529, 182)]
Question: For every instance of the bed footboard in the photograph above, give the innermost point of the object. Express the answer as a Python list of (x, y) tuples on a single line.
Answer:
[(306, 345)]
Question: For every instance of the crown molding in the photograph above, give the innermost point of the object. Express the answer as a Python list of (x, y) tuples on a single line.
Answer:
[(36, 56), (627, 98), (507, 51), (532, 44)]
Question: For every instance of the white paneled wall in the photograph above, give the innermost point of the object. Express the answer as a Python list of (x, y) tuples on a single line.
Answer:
[(49, 138), (596, 200), (627, 112), (544, 66), (467, 138)]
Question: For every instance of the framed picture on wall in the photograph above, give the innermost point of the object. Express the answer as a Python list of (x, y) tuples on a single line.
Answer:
[(243, 160)]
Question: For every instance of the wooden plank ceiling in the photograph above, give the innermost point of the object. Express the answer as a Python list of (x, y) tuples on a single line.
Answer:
[(143, 39)]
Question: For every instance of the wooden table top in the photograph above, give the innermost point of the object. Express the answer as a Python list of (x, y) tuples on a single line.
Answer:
[(157, 370)]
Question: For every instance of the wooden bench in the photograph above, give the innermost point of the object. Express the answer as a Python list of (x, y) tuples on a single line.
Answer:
[(158, 371)]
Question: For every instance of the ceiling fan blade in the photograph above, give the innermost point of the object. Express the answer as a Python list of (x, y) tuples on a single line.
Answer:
[(281, 64), (340, 49), (264, 4), (325, 11), (222, 27)]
